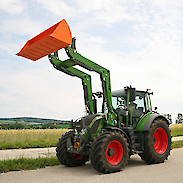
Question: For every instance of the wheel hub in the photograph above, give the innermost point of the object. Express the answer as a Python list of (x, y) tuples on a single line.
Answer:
[(111, 152), (114, 152)]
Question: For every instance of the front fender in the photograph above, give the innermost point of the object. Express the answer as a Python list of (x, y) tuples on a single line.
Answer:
[(121, 131)]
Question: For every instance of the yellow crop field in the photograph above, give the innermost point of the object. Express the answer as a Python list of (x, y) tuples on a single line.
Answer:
[(173, 126), (176, 130), (23, 138), (30, 134)]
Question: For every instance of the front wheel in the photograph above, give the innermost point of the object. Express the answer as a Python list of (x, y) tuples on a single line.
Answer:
[(67, 158), (157, 144), (109, 152)]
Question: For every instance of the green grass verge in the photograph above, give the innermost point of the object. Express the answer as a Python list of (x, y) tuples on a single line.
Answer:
[(27, 164), (177, 133), (177, 144)]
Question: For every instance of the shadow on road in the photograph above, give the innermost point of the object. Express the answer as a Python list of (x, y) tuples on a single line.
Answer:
[(135, 161), (88, 169)]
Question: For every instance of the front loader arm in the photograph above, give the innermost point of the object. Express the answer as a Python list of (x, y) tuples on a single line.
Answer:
[(67, 67), (104, 76), (77, 59)]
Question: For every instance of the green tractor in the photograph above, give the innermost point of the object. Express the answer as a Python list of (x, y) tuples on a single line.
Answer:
[(125, 125)]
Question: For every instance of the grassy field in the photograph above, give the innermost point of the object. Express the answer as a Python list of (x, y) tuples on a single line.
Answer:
[(176, 130), (30, 138)]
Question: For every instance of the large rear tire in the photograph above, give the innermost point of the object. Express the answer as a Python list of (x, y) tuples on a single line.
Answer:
[(157, 144), (109, 152), (67, 158)]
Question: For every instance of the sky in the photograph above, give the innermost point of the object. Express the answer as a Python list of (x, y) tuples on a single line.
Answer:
[(139, 41)]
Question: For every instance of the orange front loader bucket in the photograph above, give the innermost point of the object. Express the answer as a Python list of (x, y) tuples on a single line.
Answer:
[(54, 38)]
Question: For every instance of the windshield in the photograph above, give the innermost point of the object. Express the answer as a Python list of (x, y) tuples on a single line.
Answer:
[(141, 102), (118, 102)]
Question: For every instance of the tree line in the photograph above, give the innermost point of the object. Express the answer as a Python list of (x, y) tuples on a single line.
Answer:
[(179, 118), (18, 125)]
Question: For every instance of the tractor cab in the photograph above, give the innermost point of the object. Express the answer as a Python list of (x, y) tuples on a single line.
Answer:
[(131, 105)]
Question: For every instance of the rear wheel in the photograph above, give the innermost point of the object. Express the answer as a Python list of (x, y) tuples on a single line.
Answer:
[(67, 158), (157, 144), (109, 152)]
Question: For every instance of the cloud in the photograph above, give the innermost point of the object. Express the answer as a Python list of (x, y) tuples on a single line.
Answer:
[(21, 26), (89, 6), (97, 5), (59, 8), (9, 48), (109, 12), (167, 3), (16, 31), (13, 6), (113, 14)]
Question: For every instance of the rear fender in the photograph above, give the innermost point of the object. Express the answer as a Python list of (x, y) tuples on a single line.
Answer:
[(151, 119)]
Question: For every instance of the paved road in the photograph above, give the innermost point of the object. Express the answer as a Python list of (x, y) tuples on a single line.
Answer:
[(27, 153), (36, 152), (136, 171), (177, 138)]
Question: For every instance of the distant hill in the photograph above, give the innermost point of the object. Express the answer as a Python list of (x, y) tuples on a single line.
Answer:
[(31, 120)]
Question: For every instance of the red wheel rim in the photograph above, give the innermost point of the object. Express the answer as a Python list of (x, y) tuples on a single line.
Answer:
[(76, 156), (160, 138), (114, 152)]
